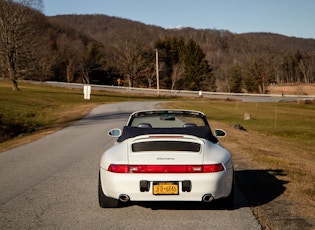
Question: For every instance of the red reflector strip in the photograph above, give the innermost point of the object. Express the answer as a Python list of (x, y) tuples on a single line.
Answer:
[(166, 168)]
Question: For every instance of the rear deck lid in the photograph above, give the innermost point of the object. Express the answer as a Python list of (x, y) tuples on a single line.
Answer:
[(166, 149)]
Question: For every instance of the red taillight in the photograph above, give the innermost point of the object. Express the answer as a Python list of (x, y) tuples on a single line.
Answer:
[(118, 168), (165, 168), (213, 168)]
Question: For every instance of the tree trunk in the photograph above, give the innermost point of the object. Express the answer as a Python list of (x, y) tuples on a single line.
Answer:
[(14, 82), (15, 85)]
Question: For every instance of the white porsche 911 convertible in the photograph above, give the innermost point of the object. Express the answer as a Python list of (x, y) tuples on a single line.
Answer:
[(166, 155)]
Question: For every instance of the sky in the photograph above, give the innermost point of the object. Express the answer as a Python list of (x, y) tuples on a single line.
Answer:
[(293, 18)]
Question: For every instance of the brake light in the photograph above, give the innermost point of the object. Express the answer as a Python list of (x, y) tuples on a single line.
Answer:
[(166, 168), (213, 168), (118, 168)]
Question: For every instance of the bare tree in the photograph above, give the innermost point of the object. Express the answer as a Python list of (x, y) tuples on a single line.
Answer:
[(306, 67), (177, 74), (131, 57), (131, 61), (17, 34), (261, 71), (72, 52), (93, 61), (149, 73), (44, 59)]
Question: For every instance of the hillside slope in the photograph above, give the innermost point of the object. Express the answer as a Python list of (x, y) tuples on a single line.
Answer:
[(105, 29)]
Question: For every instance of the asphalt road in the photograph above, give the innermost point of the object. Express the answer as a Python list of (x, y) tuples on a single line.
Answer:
[(52, 184)]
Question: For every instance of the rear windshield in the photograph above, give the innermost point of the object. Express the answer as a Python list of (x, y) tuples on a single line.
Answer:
[(167, 120)]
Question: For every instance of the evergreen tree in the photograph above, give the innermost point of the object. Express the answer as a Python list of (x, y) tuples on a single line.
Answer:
[(185, 64), (170, 50), (197, 70)]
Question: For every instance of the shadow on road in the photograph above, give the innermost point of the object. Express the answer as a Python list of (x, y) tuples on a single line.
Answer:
[(106, 117), (258, 186)]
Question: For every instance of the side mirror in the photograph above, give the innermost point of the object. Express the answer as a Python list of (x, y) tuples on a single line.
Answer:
[(114, 133), (219, 133)]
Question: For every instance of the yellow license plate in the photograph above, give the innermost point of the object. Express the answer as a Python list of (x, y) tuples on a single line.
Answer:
[(165, 188)]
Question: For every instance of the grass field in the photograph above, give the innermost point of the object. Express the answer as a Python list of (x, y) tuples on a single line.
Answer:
[(293, 89), (38, 107), (278, 146), (288, 120), (279, 138)]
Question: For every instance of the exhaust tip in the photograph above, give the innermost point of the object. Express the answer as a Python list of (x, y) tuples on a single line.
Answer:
[(207, 198), (124, 198)]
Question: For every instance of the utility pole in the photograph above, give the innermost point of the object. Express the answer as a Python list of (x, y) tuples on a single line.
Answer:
[(157, 71)]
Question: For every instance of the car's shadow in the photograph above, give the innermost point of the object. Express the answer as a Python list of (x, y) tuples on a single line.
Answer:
[(261, 186), (253, 188)]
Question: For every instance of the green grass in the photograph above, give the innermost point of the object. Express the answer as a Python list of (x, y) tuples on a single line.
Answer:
[(288, 120), (38, 106)]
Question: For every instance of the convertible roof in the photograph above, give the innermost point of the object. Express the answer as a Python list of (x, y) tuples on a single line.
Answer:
[(199, 131)]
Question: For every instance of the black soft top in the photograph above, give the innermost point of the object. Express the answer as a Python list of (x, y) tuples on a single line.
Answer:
[(198, 131)]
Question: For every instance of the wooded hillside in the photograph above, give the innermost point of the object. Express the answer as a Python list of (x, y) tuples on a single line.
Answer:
[(100, 49), (238, 62)]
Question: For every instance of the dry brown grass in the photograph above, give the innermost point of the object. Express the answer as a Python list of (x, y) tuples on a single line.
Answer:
[(260, 152), (293, 89)]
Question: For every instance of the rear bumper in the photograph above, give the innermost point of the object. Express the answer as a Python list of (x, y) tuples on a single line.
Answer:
[(218, 184)]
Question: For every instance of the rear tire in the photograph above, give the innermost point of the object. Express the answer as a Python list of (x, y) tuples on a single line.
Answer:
[(105, 201), (228, 202)]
